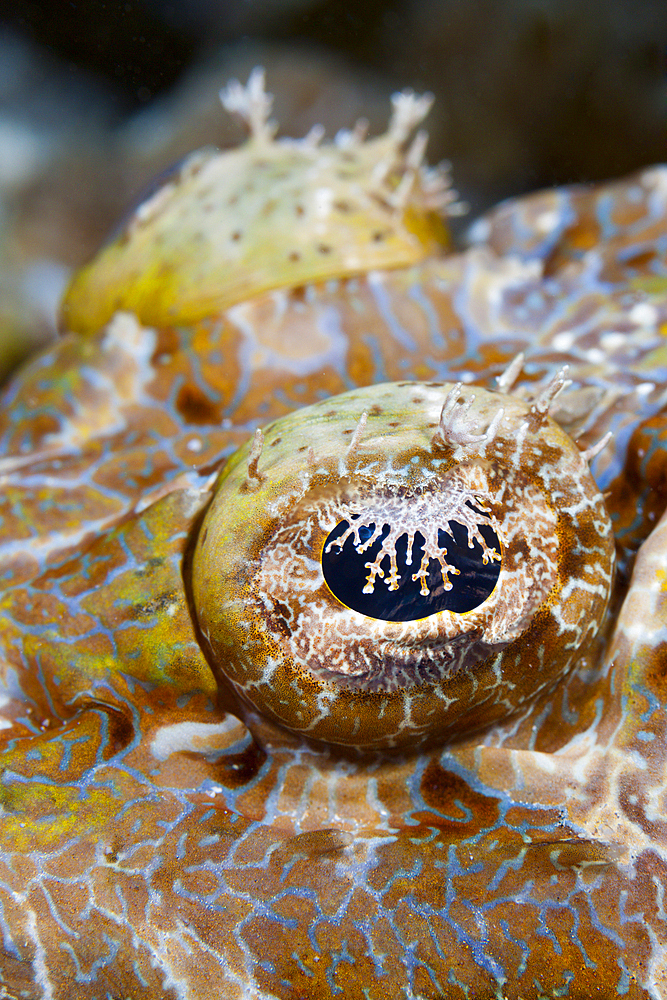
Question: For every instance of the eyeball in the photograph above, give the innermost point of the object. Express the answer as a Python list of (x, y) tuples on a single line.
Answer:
[(402, 565)]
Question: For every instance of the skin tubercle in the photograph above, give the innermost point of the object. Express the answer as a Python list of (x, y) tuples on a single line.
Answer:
[(216, 235)]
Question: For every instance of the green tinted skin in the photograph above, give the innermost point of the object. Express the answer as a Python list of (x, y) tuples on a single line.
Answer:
[(296, 653), (220, 779)]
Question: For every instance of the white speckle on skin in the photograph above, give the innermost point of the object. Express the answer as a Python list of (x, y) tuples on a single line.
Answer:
[(645, 388), (192, 737), (194, 444), (563, 341), (656, 179), (546, 222), (612, 340), (595, 356), (643, 314), (323, 200), (153, 205)]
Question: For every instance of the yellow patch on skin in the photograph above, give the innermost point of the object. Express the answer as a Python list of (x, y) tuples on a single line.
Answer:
[(268, 215), (43, 816)]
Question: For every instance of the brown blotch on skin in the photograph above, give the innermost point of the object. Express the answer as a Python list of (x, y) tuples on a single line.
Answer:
[(641, 260), (44, 424), (148, 567), (279, 618), (240, 768), (317, 842), (441, 789), (148, 609), (573, 560), (379, 200), (167, 344), (216, 466), (112, 853), (633, 800), (120, 729), (195, 407), (654, 669)]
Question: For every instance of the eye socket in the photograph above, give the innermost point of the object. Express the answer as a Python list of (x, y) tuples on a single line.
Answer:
[(297, 531), (401, 577)]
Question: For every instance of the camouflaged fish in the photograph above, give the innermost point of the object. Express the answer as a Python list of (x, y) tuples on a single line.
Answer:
[(334, 592)]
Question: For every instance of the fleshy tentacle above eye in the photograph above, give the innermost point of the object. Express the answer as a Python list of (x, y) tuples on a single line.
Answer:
[(345, 652)]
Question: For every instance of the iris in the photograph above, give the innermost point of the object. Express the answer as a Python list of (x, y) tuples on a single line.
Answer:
[(346, 573)]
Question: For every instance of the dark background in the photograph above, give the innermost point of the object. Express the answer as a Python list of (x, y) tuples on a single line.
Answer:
[(535, 93)]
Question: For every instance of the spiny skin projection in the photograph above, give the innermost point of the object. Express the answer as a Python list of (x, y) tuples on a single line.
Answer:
[(159, 838)]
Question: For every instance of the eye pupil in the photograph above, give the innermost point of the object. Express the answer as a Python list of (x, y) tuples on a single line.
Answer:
[(393, 593)]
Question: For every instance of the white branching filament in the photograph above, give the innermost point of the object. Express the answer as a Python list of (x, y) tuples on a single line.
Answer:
[(423, 514)]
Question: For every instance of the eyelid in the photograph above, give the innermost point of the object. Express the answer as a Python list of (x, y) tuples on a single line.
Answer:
[(291, 649)]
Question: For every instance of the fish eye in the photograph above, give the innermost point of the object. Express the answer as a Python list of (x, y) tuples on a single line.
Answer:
[(401, 565), (388, 572)]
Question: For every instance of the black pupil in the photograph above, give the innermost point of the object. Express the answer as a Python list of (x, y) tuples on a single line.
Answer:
[(346, 574)]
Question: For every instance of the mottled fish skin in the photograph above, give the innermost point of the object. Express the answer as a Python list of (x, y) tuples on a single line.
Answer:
[(154, 845)]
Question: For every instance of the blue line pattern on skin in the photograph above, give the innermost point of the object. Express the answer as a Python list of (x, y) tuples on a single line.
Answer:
[(219, 781)]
